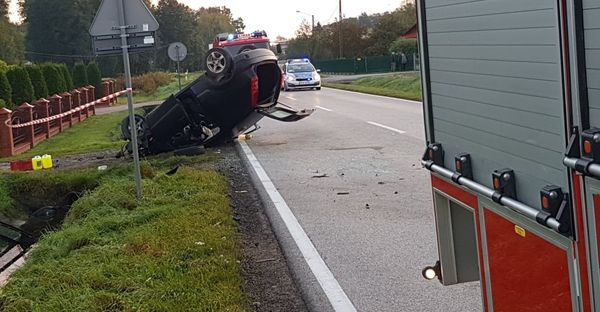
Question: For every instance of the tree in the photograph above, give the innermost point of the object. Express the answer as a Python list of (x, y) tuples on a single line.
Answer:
[(40, 90), (95, 77), (3, 66), (80, 78), (54, 80), (66, 75), (3, 8), (58, 27), (22, 89), (390, 27), (5, 90), (11, 41), (177, 24), (406, 46)]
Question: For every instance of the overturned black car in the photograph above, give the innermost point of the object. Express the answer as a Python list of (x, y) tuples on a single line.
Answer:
[(233, 96)]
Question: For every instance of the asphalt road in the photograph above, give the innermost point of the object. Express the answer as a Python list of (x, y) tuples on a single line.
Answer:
[(371, 216)]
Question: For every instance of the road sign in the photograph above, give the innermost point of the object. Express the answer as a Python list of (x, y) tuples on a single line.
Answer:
[(177, 51), (125, 24), (111, 44), (138, 18)]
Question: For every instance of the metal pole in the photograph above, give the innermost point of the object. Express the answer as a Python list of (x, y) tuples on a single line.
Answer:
[(178, 72), (340, 31), (313, 23), (132, 123)]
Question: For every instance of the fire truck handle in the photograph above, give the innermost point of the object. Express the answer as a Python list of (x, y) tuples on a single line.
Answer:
[(530, 212), (583, 166)]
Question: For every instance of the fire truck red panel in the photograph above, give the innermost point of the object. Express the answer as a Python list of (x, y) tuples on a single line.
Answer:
[(527, 273)]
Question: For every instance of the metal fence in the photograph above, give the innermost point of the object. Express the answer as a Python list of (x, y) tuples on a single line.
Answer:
[(370, 64)]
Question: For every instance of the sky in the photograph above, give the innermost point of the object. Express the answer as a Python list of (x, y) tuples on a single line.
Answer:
[(279, 18)]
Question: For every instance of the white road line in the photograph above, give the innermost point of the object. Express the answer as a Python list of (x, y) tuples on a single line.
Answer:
[(323, 108), (334, 292), (380, 96), (290, 98), (386, 127)]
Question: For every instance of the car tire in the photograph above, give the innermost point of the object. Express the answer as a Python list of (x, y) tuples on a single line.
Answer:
[(218, 63), (140, 123), (318, 88)]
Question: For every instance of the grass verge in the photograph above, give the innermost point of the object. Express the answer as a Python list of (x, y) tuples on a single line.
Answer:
[(162, 92), (403, 86), (94, 134), (175, 250)]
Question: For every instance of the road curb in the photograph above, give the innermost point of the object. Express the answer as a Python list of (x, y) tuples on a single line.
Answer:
[(311, 292)]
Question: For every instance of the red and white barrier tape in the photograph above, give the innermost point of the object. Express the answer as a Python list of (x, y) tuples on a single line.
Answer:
[(65, 114)]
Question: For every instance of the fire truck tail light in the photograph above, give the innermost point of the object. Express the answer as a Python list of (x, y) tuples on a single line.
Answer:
[(545, 202), (587, 147), (496, 183)]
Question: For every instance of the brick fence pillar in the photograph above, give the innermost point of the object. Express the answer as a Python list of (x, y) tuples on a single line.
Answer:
[(56, 104), (6, 134), (67, 104), (42, 108), (85, 98), (92, 98), (26, 114), (76, 96)]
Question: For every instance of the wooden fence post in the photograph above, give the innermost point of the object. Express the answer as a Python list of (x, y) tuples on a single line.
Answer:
[(84, 100)]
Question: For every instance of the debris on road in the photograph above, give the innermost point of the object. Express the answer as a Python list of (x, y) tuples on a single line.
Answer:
[(381, 183), (324, 175), (343, 193), (367, 206)]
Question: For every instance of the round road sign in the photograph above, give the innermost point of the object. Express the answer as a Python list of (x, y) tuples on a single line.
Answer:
[(177, 51)]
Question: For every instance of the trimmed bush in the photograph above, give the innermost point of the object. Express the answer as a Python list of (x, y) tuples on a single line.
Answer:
[(40, 90), (66, 74), (406, 46), (95, 77), (5, 90), (149, 82), (2, 103), (54, 80), (22, 89), (80, 78), (3, 66)]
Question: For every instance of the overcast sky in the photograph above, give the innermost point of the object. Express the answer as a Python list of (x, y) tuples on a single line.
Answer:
[(280, 17)]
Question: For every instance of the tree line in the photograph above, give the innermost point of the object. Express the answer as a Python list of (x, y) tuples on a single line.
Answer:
[(57, 31), (366, 35)]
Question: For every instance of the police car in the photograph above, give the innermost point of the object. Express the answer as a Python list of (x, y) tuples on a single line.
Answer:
[(300, 74)]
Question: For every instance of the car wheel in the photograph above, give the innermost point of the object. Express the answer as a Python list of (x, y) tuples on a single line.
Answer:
[(318, 88), (140, 123), (218, 63)]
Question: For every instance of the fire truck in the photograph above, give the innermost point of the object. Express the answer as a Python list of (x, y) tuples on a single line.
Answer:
[(238, 43), (511, 96)]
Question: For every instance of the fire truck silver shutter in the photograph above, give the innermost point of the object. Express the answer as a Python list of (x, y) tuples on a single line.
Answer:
[(592, 51), (496, 89)]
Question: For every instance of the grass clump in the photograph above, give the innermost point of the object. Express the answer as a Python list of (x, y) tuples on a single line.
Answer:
[(175, 250), (403, 86)]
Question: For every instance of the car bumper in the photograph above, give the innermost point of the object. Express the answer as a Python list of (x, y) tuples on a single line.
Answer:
[(297, 85)]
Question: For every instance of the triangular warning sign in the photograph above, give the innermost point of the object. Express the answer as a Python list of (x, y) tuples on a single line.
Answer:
[(136, 14)]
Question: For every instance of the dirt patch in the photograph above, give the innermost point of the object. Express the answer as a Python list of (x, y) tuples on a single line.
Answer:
[(269, 283)]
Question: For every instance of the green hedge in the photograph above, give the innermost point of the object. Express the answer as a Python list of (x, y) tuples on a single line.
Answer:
[(66, 74), (40, 90), (22, 89), (406, 46), (95, 77), (54, 80), (80, 78), (3, 66), (5, 90)]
